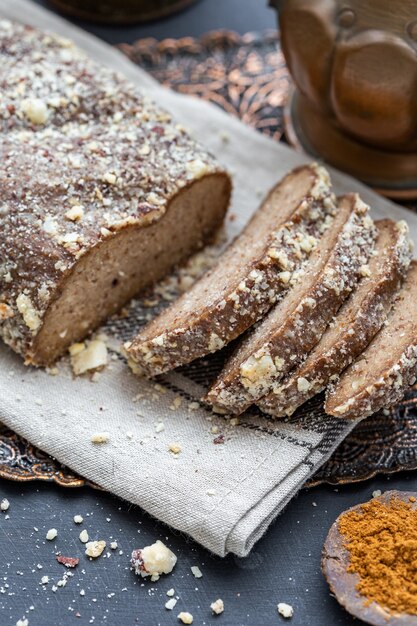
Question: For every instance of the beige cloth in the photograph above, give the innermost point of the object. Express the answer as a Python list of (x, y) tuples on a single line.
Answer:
[(226, 495)]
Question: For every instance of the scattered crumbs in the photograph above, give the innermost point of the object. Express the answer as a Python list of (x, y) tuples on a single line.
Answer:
[(38, 401), (113, 545), (88, 356), (314, 503), (153, 560), (22, 622), (68, 561), (159, 427), (169, 604), (78, 519), (94, 548), (196, 571), (219, 439), (51, 534), (234, 421), (217, 607), (214, 430), (211, 492), (4, 505), (376, 493), (171, 592), (39, 566), (175, 448), (285, 610), (84, 536), (412, 499), (82, 592), (100, 438), (185, 618), (129, 435), (193, 406), (44, 580), (176, 403)]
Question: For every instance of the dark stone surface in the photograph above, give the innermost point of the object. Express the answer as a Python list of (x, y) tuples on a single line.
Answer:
[(283, 567)]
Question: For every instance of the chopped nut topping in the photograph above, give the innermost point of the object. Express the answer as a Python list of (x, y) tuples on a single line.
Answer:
[(4, 505), (153, 560), (285, 610), (51, 534), (100, 438), (217, 607), (95, 548), (185, 617)]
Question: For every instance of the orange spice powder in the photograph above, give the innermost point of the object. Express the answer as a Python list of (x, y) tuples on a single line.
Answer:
[(382, 542)]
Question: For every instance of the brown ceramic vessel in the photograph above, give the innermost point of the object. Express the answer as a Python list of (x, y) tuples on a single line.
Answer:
[(354, 65)]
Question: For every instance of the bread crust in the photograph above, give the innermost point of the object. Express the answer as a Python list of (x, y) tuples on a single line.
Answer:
[(296, 324), (85, 158), (220, 307), (357, 322), (387, 368)]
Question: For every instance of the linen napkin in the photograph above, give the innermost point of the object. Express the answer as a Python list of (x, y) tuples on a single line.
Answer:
[(229, 480)]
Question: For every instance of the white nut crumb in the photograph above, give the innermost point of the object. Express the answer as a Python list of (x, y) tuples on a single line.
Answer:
[(185, 618), (4, 505), (211, 492), (87, 357), (35, 110), (217, 607), (113, 545), (84, 536), (376, 493), (51, 534), (100, 438), (196, 571), (171, 592), (95, 548), (44, 580), (78, 519), (175, 448), (75, 213), (22, 622), (169, 604), (285, 610), (160, 426), (153, 560)]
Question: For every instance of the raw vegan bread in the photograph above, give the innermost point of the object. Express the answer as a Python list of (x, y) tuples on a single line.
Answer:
[(383, 372), (102, 193), (356, 323), (295, 325), (247, 280)]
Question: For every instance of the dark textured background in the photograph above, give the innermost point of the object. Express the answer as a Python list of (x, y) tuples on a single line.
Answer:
[(284, 566)]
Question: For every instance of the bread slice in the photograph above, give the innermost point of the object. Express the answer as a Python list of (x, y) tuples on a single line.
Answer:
[(102, 193), (356, 323), (383, 372), (297, 322), (247, 279)]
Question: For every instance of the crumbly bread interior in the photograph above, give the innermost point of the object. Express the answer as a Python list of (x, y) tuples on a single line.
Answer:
[(235, 264), (347, 314), (266, 329), (385, 351), (117, 269)]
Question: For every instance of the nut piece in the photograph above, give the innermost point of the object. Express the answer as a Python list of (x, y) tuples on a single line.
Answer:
[(51, 534), (217, 607), (78, 519), (84, 536), (186, 618), (100, 438), (196, 571), (94, 548), (87, 357), (169, 604), (153, 561), (4, 504), (285, 610)]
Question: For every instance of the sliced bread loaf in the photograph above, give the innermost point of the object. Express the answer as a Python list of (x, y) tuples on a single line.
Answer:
[(247, 279), (297, 322), (102, 193), (382, 373), (356, 323)]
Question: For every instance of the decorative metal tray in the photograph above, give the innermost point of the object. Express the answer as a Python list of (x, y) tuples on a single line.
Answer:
[(247, 77)]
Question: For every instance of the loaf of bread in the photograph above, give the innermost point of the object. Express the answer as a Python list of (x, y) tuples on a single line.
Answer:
[(102, 193), (357, 322), (295, 325), (248, 279)]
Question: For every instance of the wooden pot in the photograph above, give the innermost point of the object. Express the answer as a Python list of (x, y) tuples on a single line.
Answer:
[(354, 65)]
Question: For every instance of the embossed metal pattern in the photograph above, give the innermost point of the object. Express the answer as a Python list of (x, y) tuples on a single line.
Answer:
[(247, 77)]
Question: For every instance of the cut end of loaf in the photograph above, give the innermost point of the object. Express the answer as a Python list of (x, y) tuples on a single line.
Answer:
[(124, 264)]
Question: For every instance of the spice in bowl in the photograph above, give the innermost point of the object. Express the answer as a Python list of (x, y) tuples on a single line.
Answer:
[(370, 560)]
